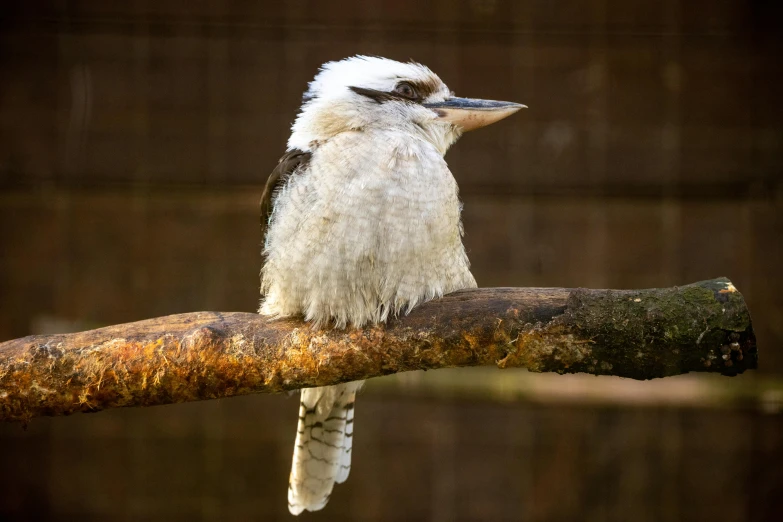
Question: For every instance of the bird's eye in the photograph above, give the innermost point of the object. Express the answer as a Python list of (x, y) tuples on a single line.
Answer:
[(406, 90)]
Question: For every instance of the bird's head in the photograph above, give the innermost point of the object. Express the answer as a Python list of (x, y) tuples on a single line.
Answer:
[(362, 93)]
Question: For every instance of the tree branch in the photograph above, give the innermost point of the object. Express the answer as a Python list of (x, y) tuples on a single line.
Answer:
[(640, 334)]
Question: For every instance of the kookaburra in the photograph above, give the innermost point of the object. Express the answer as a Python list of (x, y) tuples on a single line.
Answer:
[(362, 223)]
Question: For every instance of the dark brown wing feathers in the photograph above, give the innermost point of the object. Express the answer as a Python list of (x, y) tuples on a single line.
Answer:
[(288, 164)]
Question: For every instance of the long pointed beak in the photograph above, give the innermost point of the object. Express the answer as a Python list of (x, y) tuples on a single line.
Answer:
[(470, 114)]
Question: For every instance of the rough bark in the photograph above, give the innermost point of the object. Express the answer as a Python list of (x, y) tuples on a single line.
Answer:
[(641, 334)]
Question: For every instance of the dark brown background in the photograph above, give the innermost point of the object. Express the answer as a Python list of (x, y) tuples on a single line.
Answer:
[(134, 141)]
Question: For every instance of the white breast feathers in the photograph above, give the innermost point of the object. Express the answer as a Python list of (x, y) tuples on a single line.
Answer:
[(368, 228)]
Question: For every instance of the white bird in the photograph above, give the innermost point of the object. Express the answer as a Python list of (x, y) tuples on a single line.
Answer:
[(362, 223)]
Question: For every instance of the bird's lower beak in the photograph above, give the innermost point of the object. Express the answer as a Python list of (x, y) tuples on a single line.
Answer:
[(469, 113)]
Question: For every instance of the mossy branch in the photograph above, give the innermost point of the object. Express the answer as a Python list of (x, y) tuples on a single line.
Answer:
[(640, 334)]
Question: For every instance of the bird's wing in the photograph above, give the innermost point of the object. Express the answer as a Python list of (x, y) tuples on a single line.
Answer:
[(289, 164)]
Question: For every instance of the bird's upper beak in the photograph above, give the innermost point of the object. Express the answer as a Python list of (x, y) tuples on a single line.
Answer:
[(469, 113)]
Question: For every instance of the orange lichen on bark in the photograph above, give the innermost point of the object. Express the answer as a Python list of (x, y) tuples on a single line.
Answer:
[(636, 333)]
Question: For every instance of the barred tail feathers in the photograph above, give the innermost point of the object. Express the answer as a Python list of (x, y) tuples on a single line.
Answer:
[(322, 453), (345, 459)]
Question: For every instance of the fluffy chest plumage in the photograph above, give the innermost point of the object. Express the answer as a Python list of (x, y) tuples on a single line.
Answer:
[(370, 227)]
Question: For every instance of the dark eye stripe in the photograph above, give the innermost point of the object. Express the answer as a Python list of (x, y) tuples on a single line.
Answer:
[(378, 96), (425, 88), (422, 90)]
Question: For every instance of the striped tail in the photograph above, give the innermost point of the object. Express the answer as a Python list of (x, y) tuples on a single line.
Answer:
[(322, 454)]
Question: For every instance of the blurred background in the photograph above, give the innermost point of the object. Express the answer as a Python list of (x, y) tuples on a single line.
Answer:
[(135, 138)]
